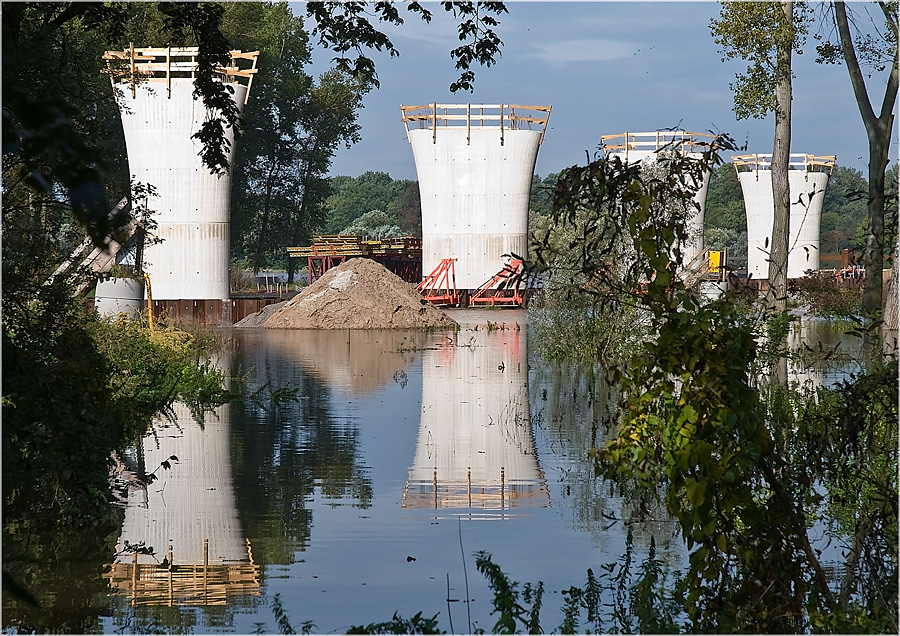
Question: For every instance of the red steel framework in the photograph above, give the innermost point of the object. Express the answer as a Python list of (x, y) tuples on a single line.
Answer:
[(505, 289), (439, 287)]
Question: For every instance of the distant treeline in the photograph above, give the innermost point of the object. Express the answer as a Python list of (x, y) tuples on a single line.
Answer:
[(375, 205)]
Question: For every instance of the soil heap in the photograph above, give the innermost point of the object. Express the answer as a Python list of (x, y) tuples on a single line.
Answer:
[(260, 317), (358, 294)]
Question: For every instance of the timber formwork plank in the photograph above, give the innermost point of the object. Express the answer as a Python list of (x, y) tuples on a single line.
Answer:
[(401, 255)]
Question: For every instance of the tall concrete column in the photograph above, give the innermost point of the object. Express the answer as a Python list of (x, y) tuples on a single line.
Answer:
[(475, 164), (643, 147), (193, 207), (807, 178)]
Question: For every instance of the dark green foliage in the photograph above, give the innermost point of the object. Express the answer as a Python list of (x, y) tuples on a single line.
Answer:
[(293, 126), (708, 429), (399, 625), (407, 207), (826, 296), (506, 598), (75, 389), (284, 624), (843, 209), (354, 196), (346, 27), (61, 130)]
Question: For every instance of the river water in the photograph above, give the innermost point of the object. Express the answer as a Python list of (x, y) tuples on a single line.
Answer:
[(365, 485), (359, 476)]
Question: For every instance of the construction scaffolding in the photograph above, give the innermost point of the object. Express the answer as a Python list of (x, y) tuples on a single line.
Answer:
[(402, 255), (439, 287), (505, 289)]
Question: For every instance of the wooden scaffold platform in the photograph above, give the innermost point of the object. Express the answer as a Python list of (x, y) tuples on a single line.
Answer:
[(402, 255)]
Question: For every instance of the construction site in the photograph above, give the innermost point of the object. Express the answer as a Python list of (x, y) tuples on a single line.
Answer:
[(475, 164)]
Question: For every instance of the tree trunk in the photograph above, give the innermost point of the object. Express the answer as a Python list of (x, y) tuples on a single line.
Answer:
[(781, 156), (878, 130), (873, 257), (892, 299)]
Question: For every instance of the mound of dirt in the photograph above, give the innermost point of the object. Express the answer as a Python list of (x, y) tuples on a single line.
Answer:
[(260, 317), (359, 294)]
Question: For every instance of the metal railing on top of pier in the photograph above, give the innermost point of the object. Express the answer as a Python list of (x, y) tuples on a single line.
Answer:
[(135, 65)]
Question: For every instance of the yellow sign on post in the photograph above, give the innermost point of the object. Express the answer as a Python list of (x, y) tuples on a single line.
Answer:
[(715, 261)]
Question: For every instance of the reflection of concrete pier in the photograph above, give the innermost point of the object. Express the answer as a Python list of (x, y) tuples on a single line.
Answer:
[(188, 516), (476, 447)]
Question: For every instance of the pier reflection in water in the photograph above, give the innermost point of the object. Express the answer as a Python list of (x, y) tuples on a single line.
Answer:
[(475, 445), (335, 485), (825, 353), (186, 513)]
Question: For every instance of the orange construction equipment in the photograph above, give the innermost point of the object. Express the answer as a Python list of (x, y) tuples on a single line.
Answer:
[(439, 287), (505, 289)]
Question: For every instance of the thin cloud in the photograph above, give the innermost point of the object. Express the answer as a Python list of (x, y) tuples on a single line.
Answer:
[(583, 51)]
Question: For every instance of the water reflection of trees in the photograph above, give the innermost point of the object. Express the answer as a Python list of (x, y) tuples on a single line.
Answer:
[(575, 406), (62, 571), (283, 452)]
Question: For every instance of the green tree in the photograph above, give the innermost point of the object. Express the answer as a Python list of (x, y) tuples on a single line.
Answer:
[(345, 26), (843, 207), (407, 207), (354, 196), (766, 35), (374, 225), (293, 127), (725, 220), (858, 52), (738, 461)]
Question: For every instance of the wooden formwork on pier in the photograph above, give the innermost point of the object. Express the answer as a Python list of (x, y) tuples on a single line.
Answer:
[(195, 584)]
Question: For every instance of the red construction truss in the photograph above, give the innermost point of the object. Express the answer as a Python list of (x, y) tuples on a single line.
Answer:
[(439, 287), (505, 289)]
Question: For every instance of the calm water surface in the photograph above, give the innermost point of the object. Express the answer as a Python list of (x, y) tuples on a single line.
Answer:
[(395, 457), (365, 485)]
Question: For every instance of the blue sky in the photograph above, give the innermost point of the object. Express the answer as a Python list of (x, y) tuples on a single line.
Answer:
[(606, 68)]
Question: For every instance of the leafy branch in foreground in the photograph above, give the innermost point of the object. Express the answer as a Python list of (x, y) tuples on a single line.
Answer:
[(347, 27), (697, 430)]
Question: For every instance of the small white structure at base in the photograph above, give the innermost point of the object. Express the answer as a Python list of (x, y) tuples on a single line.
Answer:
[(808, 177), (155, 89), (475, 164), (116, 296), (637, 147)]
